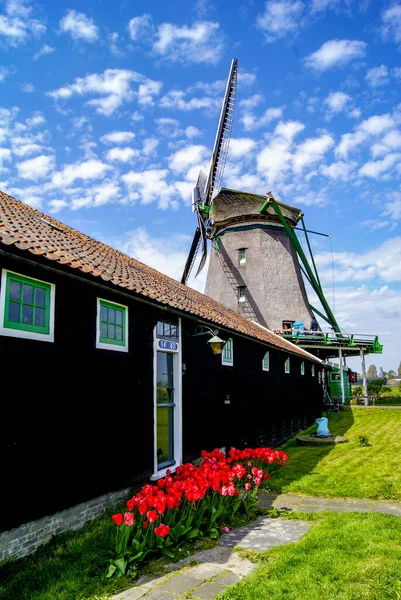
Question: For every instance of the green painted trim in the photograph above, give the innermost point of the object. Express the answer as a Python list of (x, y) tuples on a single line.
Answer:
[(310, 251), (117, 308), (303, 258), (19, 325), (227, 354)]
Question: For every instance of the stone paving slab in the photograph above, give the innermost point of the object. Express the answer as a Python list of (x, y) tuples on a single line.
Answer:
[(219, 566), (208, 591), (302, 503), (265, 533)]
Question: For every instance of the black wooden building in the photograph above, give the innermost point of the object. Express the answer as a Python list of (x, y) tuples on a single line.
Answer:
[(104, 381)]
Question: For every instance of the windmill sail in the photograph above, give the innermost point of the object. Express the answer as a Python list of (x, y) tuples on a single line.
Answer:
[(207, 188)]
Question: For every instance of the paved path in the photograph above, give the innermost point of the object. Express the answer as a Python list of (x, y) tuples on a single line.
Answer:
[(204, 575)]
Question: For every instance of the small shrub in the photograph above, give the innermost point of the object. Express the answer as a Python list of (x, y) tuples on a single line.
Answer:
[(364, 440)]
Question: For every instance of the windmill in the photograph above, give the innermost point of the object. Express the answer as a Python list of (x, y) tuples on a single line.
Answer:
[(207, 186), (257, 266)]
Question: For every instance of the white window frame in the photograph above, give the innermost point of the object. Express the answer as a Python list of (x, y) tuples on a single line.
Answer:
[(303, 367), (103, 345), (287, 366), (242, 260), (266, 362), (158, 473), (313, 370), (228, 362), (20, 333), (241, 288)]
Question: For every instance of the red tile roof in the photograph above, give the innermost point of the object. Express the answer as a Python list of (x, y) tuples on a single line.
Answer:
[(30, 230)]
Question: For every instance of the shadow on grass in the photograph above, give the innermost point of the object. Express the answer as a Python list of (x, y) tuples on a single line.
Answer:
[(304, 459)]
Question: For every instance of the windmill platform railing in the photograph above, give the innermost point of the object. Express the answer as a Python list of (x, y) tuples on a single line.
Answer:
[(333, 340)]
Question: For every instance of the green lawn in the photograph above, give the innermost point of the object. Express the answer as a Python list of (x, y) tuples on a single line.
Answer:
[(342, 557), (348, 470), (340, 552)]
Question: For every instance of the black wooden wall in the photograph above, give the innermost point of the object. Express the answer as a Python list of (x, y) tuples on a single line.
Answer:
[(77, 422)]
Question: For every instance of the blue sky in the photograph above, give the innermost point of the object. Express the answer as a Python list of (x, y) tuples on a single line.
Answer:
[(109, 109)]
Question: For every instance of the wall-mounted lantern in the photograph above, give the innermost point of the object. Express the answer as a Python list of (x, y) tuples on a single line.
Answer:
[(216, 343)]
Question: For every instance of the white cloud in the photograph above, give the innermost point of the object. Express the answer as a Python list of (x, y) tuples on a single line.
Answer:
[(250, 122), (377, 76), (311, 151), (335, 53), (382, 263), (245, 79), (396, 72), (35, 121), (200, 43), (5, 154), (113, 86), (322, 5), (175, 100), (392, 207), (168, 127), (36, 168), (150, 186), (281, 18), (16, 25), (165, 254), (338, 170), (391, 141), (28, 88), (123, 155), (26, 149), (45, 49), (149, 147), (141, 28), (96, 196), (337, 101), (91, 169), (192, 132), (4, 71), (375, 169), (274, 161), (56, 205), (375, 125), (252, 101), (147, 90), (240, 147), (79, 26), (391, 23), (117, 137), (188, 157)]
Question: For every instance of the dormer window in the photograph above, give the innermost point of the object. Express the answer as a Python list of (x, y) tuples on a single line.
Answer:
[(241, 255)]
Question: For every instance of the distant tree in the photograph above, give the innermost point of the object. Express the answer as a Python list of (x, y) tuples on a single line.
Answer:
[(372, 372), (376, 388), (382, 374), (391, 374), (399, 370)]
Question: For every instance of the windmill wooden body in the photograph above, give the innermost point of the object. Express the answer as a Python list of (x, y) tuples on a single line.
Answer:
[(254, 267)]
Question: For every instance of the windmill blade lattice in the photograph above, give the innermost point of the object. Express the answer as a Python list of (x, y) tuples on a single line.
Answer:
[(206, 189)]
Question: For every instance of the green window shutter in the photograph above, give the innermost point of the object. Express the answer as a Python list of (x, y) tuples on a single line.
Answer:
[(27, 304), (313, 370), (112, 323)]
